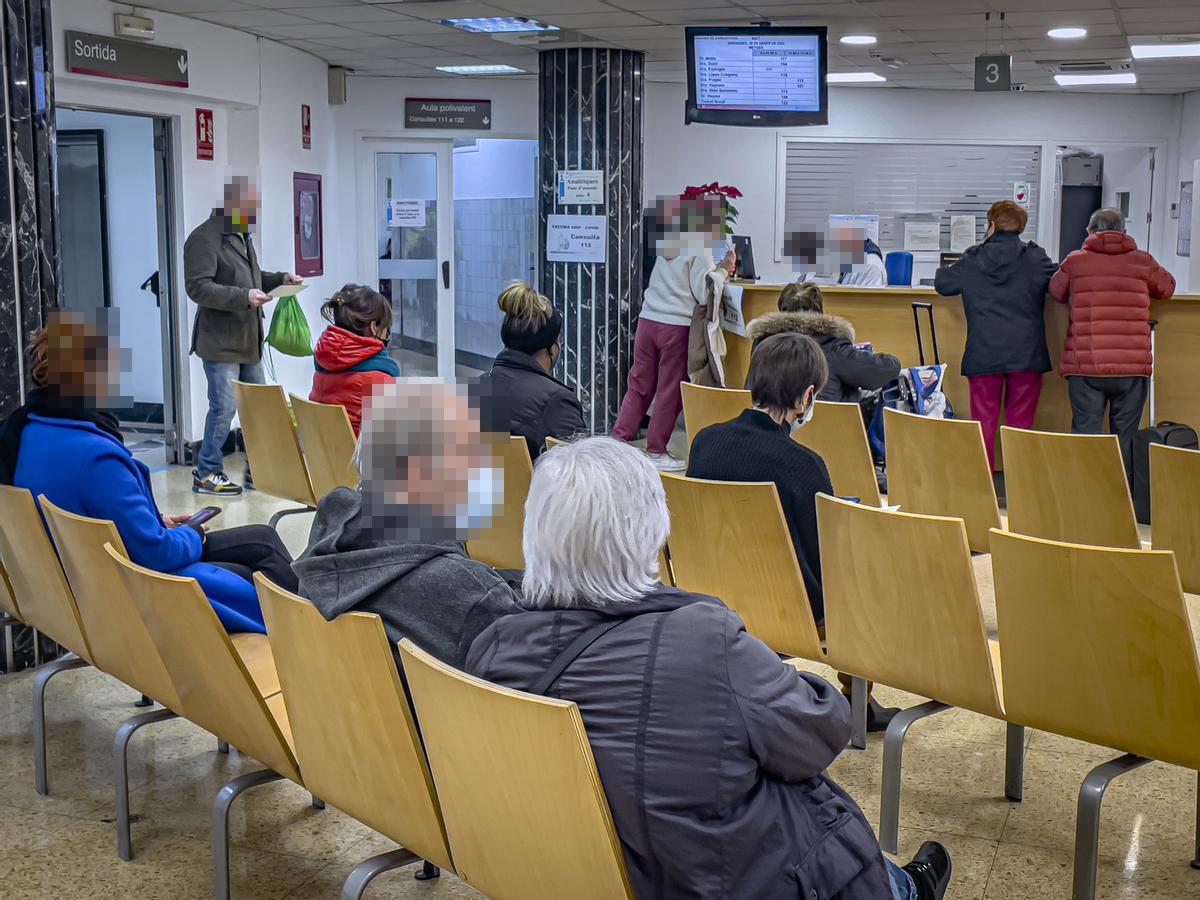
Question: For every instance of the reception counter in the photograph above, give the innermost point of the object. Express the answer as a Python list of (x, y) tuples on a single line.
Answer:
[(884, 316)]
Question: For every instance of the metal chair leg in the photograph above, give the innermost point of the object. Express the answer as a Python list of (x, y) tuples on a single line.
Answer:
[(893, 762), (1196, 861), (39, 715), (367, 870), (859, 698), (317, 802), (274, 521), (121, 774), (222, 747), (1087, 820), (220, 824), (1014, 763), (428, 872), (144, 701), (8, 623)]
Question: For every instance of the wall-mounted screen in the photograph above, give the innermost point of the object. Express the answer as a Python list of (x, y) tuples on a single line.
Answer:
[(759, 76)]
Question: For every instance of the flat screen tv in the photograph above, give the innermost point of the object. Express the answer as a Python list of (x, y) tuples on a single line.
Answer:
[(757, 76)]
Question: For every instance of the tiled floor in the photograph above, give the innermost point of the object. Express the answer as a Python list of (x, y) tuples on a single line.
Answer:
[(64, 846)]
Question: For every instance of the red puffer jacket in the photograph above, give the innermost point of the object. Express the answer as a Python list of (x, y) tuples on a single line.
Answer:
[(1109, 285), (348, 365)]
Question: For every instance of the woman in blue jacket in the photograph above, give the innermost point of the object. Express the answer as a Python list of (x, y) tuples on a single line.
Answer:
[(62, 443)]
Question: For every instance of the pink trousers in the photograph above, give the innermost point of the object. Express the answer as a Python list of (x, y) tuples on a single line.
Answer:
[(1020, 392), (659, 365)]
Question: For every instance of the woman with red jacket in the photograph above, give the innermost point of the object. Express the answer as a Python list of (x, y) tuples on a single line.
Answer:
[(351, 355)]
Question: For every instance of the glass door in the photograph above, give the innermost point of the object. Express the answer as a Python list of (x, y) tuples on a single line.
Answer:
[(406, 232)]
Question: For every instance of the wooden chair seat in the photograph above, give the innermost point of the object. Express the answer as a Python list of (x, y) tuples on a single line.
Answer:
[(1175, 508), (254, 650), (278, 708), (328, 443), (837, 435), (272, 445)]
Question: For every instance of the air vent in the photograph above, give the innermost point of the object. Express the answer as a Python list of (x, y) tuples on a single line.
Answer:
[(1077, 66)]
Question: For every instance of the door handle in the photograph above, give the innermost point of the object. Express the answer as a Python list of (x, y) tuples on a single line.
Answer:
[(446, 274)]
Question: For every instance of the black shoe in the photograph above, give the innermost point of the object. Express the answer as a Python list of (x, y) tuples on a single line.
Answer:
[(217, 483), (879, 717), (248, 480), (930, 871)]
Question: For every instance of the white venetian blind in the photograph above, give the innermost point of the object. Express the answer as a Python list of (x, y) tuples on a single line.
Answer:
[(902, 181)]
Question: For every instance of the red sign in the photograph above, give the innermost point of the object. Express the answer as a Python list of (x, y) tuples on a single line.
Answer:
[(306, 126), (204, 134)]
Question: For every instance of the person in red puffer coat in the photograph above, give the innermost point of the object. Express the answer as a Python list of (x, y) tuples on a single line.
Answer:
[(1107, 360), (351, 355)]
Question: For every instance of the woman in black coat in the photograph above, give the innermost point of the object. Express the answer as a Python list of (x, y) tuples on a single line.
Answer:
[(538, 404)]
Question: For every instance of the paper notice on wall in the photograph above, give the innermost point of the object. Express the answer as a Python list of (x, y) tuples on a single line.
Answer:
[(922, 236), (1021, 194), (585, 186), (406, 214), (732, 319), (576, 239), (962, 233)]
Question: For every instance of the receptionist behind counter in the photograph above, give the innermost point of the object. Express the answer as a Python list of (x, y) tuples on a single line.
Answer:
[(847, 256)]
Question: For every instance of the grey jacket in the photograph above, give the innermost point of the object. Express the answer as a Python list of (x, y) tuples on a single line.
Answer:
[(429, 592), (219, 270), (712, 752)]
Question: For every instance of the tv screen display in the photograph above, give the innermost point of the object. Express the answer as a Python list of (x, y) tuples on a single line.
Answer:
[(757, 76)]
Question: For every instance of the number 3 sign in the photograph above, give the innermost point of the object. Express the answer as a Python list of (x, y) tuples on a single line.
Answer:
[(993, 73)]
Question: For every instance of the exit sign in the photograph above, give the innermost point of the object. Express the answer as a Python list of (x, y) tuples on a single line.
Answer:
[(993, 73)]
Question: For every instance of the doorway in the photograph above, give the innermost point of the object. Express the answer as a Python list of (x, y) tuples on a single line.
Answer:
[(114, 176)]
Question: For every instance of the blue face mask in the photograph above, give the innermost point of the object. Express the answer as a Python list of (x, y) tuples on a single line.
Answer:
[(485, 496)]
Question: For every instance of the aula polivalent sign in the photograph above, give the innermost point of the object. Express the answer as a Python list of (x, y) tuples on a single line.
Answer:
[(109, 57)]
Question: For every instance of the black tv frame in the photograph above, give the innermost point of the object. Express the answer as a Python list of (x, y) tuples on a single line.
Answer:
[(758, 118)]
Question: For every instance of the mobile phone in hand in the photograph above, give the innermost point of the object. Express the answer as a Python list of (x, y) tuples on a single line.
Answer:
[(203, 515)]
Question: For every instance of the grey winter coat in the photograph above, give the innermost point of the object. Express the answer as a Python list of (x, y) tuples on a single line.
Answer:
[(712, 752), (431, 593)]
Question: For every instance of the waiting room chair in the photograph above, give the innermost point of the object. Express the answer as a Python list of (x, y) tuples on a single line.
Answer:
[(939, 467), (345, 702), (704, 406), (524, 807), (1068, 487), (217, 690), (499, 544), (913, 588), (45, 602), (328, 444), (1175, 509), (10, 618), (272, 446), (1098, 646), (120, 643), (837, 435)]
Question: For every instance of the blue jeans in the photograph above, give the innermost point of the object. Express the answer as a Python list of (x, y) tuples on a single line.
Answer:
[(902, 883), (221, 407)]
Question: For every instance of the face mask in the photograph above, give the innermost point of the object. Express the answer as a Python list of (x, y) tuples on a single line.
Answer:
[(485, 495), (804, 418)]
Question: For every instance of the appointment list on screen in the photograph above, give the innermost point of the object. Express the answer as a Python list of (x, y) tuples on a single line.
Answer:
[(761, 73)]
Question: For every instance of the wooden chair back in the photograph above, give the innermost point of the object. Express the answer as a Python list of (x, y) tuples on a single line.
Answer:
[(520, 793), (328, 442), (215, 691), (1068, 487), (939, 467), (704, 406), (272, 446), (345, 702), (37, 578), (730, 540), (499, 544), (8, 599), (118, 638), (836, 434), (1097, 645), (1175, 508), (892, 580), (552, 442)]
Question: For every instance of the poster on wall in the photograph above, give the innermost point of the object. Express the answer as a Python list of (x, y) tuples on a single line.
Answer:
[(922, 236), (577, 239), (1183, 243), (306, 126), (204, 134), (580, 186), (307, 210), (1021, 194), (962, 233)]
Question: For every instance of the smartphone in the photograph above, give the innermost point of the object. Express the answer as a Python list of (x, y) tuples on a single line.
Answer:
[(203, 515)]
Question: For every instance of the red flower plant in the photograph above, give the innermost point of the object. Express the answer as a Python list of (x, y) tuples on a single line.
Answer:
[(726, 192)]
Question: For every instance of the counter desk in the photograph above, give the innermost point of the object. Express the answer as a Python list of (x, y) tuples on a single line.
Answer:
[(884, 316)]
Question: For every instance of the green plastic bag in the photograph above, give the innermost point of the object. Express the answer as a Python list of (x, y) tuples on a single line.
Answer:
[(289, 332)]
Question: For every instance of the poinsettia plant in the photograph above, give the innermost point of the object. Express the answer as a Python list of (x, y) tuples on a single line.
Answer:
[(724, 194)]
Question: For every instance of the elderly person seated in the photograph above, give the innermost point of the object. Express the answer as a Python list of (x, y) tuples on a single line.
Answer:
[(712, 751), (394, 545)]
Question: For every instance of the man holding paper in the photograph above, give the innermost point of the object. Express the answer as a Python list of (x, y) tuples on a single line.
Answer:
[(224, 280)]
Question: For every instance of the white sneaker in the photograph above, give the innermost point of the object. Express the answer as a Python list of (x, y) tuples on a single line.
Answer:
[(665, 462)]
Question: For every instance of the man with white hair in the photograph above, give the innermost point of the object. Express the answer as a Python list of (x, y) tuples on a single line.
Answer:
[(393, 546), (712, 751)]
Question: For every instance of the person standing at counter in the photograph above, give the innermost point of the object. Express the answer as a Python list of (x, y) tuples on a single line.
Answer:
[(1108, 359), (1003, 282)]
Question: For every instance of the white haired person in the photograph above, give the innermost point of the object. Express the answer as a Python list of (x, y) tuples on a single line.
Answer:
[(394, 545), (712, 751)]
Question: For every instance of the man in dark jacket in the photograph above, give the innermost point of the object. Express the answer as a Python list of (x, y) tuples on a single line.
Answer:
[(1107, 359), (1003, 283), (224, 280), (394, 547), (713, 753)]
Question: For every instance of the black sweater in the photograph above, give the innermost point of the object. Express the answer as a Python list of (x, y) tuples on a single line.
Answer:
[(753, 448)]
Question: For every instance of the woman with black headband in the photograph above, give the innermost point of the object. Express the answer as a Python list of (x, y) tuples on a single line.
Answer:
[(537, 403)]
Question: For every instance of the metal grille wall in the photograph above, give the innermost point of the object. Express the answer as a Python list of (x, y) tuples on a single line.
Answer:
[(902, 181)]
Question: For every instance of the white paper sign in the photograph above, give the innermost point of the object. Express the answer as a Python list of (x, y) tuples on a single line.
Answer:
[(577, 239), (921, 236), (732, 319), (869, 224), (1021, 194), (962, 233), (580, 186), (406, 214)]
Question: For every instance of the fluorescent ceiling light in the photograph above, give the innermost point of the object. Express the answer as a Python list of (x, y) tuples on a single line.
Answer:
[(854, 78), (1067, 34), (1164, 51), (864, 40), (481, 70), (498, 24), (1084, 80)]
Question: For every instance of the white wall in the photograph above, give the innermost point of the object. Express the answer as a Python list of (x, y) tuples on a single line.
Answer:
[(495, 170), (1188, 155)]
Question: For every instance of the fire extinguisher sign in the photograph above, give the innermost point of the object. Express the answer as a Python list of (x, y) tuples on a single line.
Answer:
[(204, 134)]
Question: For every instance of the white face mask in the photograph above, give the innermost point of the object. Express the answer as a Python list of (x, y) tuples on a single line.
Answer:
[(485, 495), (804, 418)]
